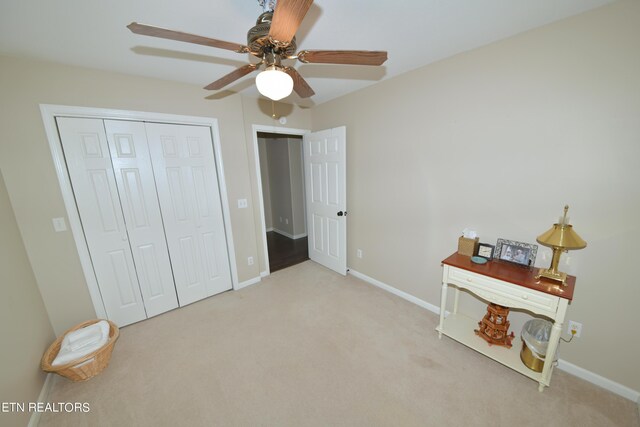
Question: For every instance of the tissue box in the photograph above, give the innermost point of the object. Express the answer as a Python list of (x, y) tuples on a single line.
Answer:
[(468, 247)]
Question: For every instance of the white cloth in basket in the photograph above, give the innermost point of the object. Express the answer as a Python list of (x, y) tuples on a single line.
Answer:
[(77, 344)]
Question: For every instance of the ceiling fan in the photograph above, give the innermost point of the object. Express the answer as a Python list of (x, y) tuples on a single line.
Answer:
[(272, 39)]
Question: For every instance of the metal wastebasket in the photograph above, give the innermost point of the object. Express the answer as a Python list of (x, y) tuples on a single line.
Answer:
[(535, 340)]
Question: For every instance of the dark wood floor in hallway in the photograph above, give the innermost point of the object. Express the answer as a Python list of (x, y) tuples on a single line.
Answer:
[(285, 252)]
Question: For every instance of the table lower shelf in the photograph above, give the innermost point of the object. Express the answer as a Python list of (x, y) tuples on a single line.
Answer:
[(461, 328)]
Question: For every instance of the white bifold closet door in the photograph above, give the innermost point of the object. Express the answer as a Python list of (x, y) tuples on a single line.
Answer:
[(184, 166), (129, 258), (149, 204), (138, 196)]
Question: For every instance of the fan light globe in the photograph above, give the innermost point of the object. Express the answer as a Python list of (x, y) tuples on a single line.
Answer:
[(274, 83)]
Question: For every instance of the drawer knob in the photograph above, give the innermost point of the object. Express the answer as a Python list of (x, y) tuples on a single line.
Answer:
[(525, 296), (469, 280)]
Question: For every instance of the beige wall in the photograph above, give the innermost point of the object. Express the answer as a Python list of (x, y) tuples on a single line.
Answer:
[(500, 139), (33, 187), (280, 183), (266, 188), (24, 325), (296, 177)]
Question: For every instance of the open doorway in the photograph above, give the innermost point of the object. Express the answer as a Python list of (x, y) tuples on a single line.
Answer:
[(325, 195), (282, 180)]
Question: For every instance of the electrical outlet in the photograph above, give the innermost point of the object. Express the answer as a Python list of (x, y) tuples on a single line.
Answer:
[(286, 220), (359, 253), (242, 203), (59, 224), (575, 326), (250, 260)]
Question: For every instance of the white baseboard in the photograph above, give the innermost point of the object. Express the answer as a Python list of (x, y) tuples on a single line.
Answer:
[(264, 273), (291, 236), (34, 420), (599, 380), (563, 365), (283, 233), (398, 292), (269, 229), (248, 283)]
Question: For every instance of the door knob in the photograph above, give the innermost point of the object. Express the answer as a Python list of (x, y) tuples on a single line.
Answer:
[(342, 213)]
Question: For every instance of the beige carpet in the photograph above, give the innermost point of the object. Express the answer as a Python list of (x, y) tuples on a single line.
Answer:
[(308, 347)]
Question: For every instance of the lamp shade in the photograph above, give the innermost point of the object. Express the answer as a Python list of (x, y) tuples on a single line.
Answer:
[(274, 83), (561, 236)]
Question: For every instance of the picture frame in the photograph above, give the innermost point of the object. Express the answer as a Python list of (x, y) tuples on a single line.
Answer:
[(516, 252), (485, 250)]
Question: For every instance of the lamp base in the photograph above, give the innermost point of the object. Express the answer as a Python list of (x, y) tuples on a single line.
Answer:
[(547, 273)]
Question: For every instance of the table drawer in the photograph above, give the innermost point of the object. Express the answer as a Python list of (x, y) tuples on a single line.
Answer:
[(504, 293)]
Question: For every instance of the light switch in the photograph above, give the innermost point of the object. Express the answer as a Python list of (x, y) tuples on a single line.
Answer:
[(59, 224), (242, 203)]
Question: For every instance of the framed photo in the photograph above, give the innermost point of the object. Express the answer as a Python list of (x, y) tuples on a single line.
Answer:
[(485, 250), (516, 252)]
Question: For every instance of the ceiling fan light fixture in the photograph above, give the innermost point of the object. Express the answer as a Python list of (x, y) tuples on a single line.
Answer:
[(274, 83)]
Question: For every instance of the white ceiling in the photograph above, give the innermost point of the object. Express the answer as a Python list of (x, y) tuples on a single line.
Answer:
[(92, 33)]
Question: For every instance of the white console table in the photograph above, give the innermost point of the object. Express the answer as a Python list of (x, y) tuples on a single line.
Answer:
[(508, 285)]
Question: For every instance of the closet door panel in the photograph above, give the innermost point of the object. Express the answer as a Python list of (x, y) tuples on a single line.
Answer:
[(185, 171), (180, 226), (89, 164), (134, 177)]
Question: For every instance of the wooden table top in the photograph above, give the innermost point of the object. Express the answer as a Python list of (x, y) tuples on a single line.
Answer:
[(516, 274)]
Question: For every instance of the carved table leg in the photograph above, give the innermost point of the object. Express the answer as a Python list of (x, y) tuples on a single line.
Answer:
[(443, 307), (455, 300), (554, 340)]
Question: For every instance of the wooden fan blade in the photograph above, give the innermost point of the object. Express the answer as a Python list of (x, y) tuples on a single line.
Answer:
[(350, 57), (148, 30), (231, 77), (287, 18), (300, 85)]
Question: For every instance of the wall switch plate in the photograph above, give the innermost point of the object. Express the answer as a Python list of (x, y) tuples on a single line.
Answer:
[(359, 253), (250, 260), (59, 224), (242, 203), (286, 220)]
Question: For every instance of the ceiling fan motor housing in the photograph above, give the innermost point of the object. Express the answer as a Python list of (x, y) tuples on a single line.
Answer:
[(258, 39)]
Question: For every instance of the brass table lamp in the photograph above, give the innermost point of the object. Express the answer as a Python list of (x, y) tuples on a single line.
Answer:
[(561, 238)]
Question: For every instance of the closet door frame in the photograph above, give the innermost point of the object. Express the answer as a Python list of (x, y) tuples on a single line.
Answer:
[(50, 112)]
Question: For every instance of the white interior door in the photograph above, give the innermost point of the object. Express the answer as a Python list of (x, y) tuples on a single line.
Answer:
[(186, 178), (325, 159), (137, 189), (94, 185)]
